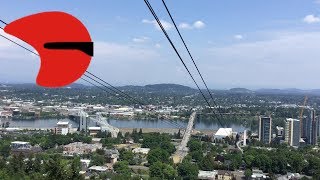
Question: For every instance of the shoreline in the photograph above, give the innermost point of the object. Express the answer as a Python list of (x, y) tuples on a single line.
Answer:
[(168, 130)]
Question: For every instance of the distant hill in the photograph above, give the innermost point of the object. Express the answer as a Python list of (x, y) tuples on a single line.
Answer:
[(288, 91), (240, 90), (32, 85), (168, 87), (175, 88), (160, 88)]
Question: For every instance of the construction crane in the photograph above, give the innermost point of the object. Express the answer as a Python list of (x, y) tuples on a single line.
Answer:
[(301, 114)]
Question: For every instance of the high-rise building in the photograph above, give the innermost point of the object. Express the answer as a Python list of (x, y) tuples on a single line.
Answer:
[(304, 125), (292, 132), (265, 125), (311, 128), (314, 128)]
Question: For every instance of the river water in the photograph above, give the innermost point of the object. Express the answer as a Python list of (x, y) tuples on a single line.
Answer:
[(133, 123)]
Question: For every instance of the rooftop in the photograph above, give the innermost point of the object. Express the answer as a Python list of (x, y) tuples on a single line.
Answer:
[(94, 128), (224, 132), (98, 168), (291, 119), (62, 123), (19, 142)]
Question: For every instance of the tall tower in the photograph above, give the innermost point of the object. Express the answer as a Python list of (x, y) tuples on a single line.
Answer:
[(292, 132), (265, 125), (314, 128)]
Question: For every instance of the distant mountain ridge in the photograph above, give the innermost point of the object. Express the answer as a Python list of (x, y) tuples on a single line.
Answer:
[(161, 88), (240, 90), (177, 88)]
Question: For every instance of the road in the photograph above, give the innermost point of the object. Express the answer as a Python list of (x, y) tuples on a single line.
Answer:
[(182, 149), (239, 145)]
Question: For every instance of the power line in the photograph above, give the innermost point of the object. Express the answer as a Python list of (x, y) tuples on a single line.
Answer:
[(176, 51), (113, 88), (3, 22), (94, 78), (185, 45), (125, 94), (165, 121)]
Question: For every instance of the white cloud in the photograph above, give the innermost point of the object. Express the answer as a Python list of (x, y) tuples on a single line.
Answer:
[(185, 26), (157, 45), (199, 24), (122, 52), (195, 25), (238, 37), (290, 60), (311, 19), (17, 64), (141, 39), (166, 25)]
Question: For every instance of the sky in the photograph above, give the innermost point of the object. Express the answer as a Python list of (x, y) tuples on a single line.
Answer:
[(251, 44)]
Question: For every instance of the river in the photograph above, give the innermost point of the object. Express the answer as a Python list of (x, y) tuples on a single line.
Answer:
[(133, 123)]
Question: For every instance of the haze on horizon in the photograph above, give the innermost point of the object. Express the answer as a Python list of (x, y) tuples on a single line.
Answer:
[(252, 45)]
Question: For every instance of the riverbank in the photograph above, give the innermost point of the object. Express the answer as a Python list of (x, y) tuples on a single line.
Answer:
[(168, 130)]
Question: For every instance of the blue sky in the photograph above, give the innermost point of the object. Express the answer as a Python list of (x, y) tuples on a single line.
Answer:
[(252, 44)]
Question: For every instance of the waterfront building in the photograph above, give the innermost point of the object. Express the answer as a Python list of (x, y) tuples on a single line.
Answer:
[(63, 128), (265, 125), (94, 130), (292, 132), (222, 133)]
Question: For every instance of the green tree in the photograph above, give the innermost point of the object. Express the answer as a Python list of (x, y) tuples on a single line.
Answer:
[(162, 171), (122, 167), (75, 169), (194, 145), (207, 163), (158, 154), (54, 168), (127, 156), (97, 160), (197, 155), (248, 173), (187, 170)]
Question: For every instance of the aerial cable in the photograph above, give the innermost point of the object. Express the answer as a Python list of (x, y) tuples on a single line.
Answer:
[(176, 51), (185, 45), (95, 78), (112, 88)]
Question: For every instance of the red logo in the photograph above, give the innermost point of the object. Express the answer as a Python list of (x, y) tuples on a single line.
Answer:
[(62, 41)]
